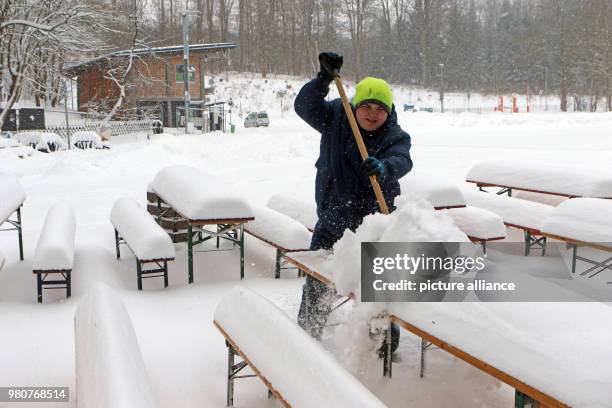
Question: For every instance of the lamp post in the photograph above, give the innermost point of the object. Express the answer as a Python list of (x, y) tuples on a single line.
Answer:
[(545, 85), (186, 70), (442, 87), (66, 112)]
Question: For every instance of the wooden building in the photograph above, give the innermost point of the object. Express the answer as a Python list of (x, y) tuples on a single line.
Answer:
[(155, 84)]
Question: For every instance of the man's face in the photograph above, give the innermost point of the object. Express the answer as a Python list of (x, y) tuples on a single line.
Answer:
[(371, 116)]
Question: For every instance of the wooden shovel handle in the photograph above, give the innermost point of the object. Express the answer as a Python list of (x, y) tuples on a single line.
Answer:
[(362, 149)]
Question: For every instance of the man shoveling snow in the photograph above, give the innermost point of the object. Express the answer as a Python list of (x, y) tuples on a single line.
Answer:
[(343, 191)]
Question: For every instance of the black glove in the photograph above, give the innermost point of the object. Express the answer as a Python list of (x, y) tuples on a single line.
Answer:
[(330, 64), (371, 166)]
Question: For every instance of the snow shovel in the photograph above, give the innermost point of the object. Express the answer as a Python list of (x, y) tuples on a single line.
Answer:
[(362, 149)]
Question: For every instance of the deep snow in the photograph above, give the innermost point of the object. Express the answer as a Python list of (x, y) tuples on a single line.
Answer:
[(184, 355)]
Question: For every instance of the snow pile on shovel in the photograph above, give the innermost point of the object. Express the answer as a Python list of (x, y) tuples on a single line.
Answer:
[(412, 221)]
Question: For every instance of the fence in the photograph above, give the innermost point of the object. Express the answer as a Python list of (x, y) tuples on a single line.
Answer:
[(115, 127)]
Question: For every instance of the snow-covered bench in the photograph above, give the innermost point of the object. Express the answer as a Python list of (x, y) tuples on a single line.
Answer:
[(294, 367), (55, 250), (522, 214), (303, 211), (43, 141), (437, 190), (12, 197), (438, 325), (542, 178), (110, 371), (282, 232), (202, 200), (86, 139), (478, 224), (166, 217), (583, 222), (147, 240)]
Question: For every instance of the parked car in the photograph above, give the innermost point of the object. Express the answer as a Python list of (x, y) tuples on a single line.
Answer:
[(262, 119), (256, 119)]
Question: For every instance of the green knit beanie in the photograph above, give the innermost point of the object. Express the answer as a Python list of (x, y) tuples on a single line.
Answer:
[(375, 90)]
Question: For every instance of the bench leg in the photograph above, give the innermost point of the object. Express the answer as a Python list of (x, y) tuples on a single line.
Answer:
[(19, 233), (523, 400), (165, 274), (39, 287), (574, 256), (387, 357), (278, 264), (527, 242), (190, 254), (139, 274), (68, 284), (117, 244), (423, 349), (217, 236), (230, 375), (241, 251)]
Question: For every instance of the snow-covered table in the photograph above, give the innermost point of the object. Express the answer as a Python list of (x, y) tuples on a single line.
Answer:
[(583, 222), (525, 345), (542, 178), (200, 200), (293, 366), (282, 232), (150, 244), (12, 197), (86, 139), (440, 192)]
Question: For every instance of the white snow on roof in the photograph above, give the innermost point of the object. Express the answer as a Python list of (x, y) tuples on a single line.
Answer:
[(542, 177), (300, 210), (513, 211), (142, 234), (55, 249), (478, 223), (296, 365), (279, 229), (110, 371), (199, 196), (551, 347), (12, 196), (437, 190), (582, 219)]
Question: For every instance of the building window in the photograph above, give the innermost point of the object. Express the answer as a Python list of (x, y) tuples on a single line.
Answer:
[(179, 73)]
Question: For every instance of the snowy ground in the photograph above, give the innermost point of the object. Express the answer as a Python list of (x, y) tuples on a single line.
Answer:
[(184, 354)]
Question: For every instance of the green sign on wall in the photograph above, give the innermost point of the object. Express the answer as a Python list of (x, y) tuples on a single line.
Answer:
[(179, 73)]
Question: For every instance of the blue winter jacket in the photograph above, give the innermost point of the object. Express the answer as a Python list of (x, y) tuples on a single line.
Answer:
[(343, 194)]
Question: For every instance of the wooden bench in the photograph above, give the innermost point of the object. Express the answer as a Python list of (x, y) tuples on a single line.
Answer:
[(54, 256), (12, 200), (110, 371), (542, 178), (200, 200), (150, 244), (583, 222), (521, 214), (478, 224), (294, 367), (318, 265), (280, 231)]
